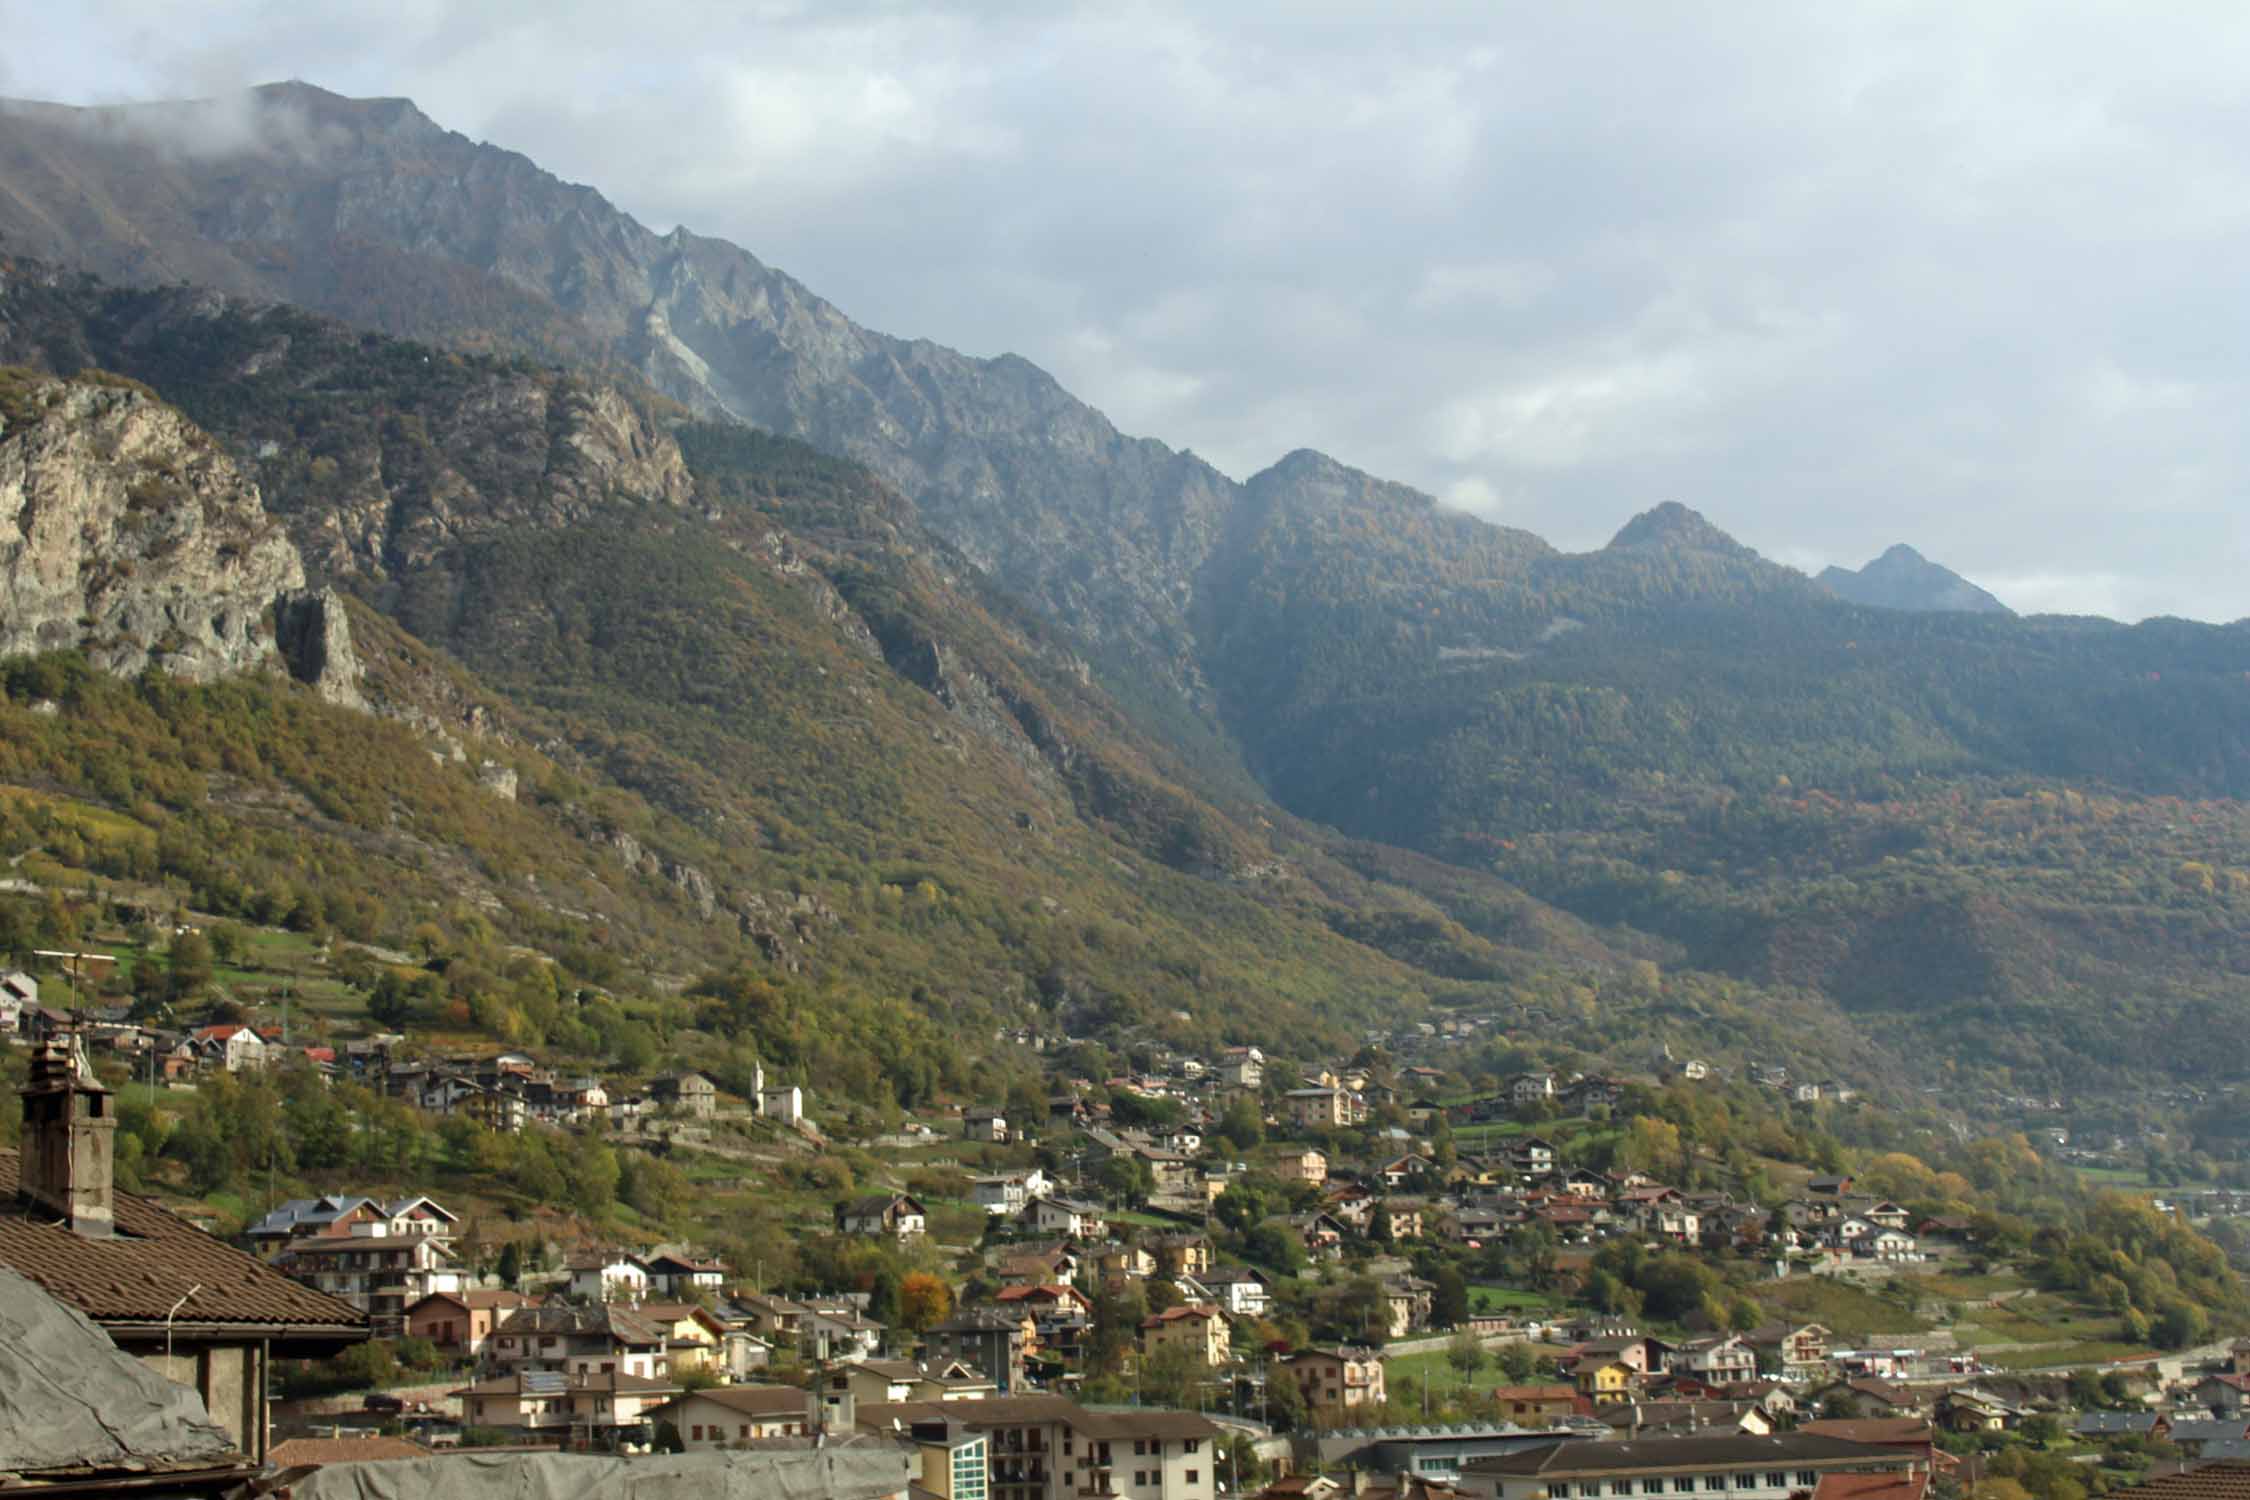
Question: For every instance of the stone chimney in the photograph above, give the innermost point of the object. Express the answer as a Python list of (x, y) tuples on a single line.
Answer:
[(69, 1139)]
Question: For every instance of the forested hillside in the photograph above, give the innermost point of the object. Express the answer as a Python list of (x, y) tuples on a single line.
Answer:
[(1321, 744), (747, 690)]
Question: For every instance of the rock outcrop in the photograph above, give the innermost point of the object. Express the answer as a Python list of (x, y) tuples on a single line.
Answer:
[(126, 533), (315, 638)]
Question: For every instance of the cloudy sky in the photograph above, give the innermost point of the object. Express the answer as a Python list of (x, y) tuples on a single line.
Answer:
[(1974, 277)]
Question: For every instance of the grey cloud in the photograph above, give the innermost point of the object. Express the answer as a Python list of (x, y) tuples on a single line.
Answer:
[(1839, 276)]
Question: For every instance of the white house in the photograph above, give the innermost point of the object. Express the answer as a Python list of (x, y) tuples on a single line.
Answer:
[(784, 1104), (1884, 1244), (1008, 1193), (1066, 1216), (233, 1048), (18, 993), (1530, 1088), (608, 1276), (1239, 1291)]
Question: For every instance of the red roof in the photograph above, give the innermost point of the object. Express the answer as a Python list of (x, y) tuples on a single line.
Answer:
[(1174, 1314), (1872, 1487)]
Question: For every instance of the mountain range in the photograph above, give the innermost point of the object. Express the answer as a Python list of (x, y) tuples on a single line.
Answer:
[(814, 609)]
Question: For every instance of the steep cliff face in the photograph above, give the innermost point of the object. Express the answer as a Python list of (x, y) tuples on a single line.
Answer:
[(125, 531), (367, 209)]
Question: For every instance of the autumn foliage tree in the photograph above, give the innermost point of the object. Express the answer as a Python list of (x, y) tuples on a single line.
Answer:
[(924, 1300)]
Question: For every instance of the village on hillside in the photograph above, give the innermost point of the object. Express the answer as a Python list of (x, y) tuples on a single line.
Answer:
[(1264, 1275)]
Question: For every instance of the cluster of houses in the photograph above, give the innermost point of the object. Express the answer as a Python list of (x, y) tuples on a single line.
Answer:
[(510, 1090)]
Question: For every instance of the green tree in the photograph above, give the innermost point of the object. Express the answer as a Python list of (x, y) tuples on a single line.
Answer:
[(189, 958), (1242, 1123), (1449, 1301), (592, 1173)]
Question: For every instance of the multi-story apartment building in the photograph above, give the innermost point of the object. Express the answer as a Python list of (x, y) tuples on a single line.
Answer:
[(1735, 1466), (1338, 1377), (1050, 1448), (377, 1272)]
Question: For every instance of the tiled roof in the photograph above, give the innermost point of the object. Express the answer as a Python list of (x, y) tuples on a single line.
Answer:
[(2219, 1481), (155, 1259), (756, 1400), (1872, 1487), (619, 1323)]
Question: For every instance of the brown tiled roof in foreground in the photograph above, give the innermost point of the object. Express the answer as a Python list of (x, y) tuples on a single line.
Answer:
[(2228, 1479), (155, 1259)]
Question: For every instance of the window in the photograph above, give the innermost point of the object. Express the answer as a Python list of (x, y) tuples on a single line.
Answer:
[(1777, 1479), (1745, 1481), (1683, 1485), (696, 1432), (1193, 1445), (743, 1429), (1195, 1476), (1652, 1486), (1140, 1479), (1809, 1478), (1140, 1447), (1714, 1481)]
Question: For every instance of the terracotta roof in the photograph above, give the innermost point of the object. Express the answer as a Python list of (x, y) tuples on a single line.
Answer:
[(1872, 1487), (299, 1453), (2226, 1480), (155, 1259)]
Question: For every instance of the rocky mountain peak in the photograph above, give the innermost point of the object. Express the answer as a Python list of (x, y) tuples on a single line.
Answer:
[(1903, 578), (1674, 527)]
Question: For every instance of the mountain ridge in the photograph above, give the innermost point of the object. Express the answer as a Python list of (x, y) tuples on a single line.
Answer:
[(1668, 746)]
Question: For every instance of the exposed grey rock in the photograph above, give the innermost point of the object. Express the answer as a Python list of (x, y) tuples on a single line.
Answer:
[(498, 779), (315, 636), (695, 885), (127, 533)]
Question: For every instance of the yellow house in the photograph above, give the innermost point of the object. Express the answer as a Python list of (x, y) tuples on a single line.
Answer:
[(693, 1336), (1609, 1381), (1200, 1329)]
